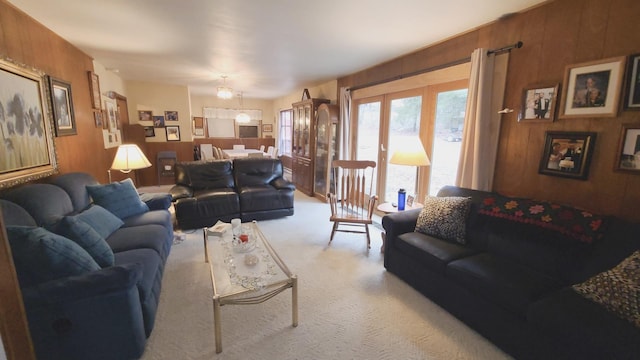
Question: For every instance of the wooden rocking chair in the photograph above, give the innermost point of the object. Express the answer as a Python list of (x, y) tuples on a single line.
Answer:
[(353, 203)]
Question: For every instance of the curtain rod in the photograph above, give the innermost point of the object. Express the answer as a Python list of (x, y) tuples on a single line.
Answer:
[(501, 50)]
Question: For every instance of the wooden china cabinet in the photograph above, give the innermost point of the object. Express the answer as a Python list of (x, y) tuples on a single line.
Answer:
[(303, 153), (327, 132)]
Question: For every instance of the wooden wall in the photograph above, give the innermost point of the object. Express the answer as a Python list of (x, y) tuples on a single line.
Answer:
[(26, 41), (555, 34)]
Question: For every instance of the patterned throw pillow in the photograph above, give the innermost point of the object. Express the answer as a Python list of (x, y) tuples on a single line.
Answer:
[(85, 236), (121, 198), (618, 289), (444, 217)]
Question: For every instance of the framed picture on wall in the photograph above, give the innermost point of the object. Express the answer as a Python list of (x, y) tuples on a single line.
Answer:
[(112, 116), (94, 89), (64, 120), (26, 155), (632, 84), (171, 115), (628, 155), (267, 127), (567, 154), (158, 121), (149, 131), (539, 103), (145, 115), (592, 89), (173, 133)]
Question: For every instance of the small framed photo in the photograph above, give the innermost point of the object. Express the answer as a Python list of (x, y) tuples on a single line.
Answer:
[(539, 103), (632, 84), (410, 200), (171, 115), (62, 106), (628, 155), (158, 121), (112, 116), (97, 118), (593, 88), (145, 115), (567, 154), (267, 127), (94, 89), (173, 133), (149, 131)]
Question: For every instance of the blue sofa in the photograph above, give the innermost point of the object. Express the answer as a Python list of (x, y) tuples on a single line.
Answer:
[(88, 301)]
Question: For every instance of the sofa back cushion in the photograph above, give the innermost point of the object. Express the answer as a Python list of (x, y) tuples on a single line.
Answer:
[(256, 171), (75, 186), (46, 203), (203, 175), (13, 214), (40, 256)]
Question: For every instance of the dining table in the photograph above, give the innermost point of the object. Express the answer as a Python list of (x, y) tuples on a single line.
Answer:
[(242, 153)]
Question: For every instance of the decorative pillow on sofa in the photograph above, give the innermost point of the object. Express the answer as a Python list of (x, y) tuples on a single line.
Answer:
[(444, 217), (40, 255), (85, 236), (101, 220), (618, 289), (121, 198)]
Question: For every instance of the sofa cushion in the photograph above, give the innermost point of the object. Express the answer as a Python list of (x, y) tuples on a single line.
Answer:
[(101, 220), (84, 235), (46, 203), (121, 198), (618, 289), (14, 214), (508, 284), (444, 217), (75, 185), (431, 252), (205, 175), (150, 236), (40, 255)]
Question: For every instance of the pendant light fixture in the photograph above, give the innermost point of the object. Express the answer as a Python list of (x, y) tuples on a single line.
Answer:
[(242, 116), (224, 92)]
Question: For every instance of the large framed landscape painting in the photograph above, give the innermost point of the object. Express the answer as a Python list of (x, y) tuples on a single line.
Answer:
[(27, 151)]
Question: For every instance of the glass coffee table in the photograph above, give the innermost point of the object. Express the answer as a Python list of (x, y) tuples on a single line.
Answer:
[(245, 273)]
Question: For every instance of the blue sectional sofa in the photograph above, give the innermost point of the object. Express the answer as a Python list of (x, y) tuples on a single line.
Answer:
[(90, 260)]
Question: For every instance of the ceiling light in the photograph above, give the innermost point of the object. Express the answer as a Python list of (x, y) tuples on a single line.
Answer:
[(242, 116), (224, 92)]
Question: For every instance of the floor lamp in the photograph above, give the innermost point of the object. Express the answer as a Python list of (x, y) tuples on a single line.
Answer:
[(129, 157), (411, 153)]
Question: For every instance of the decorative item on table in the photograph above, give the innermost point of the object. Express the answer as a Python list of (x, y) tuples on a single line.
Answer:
[(236, 227), (401, 199), (251, 260), (218, 229), (244, 243)]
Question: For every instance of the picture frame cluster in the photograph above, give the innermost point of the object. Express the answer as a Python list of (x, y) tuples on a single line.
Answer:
[(152, 122), (595, 89)]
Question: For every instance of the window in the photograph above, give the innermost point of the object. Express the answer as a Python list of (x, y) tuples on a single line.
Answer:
[(286, 131)]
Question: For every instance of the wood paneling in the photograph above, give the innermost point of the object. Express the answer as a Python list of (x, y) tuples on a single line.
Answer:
[(555, 34)]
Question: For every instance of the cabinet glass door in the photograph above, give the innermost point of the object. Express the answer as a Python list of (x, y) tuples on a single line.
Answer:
[(322, 154)]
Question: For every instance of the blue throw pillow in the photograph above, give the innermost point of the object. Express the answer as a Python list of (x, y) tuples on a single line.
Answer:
[(85, 236), (101, 220), (40, 256), (121, 198)]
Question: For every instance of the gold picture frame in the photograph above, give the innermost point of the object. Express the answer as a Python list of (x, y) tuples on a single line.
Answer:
[(94, 89)]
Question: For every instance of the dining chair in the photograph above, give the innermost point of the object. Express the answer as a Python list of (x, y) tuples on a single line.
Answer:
[(270, 151), (255, 155), (238, 147), (353, 202), (206, 152), (262, 148)]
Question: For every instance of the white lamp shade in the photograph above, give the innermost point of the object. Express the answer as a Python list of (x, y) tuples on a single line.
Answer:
[(410, 152), (129, 157), (225, 92)]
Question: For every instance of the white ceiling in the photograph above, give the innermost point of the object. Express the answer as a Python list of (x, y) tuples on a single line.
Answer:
[(267, 48)]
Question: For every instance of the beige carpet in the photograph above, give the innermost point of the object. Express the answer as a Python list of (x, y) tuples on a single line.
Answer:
[(350, 307)]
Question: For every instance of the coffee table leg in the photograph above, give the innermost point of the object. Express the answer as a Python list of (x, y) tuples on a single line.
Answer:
[(216, 324), (206, 248), (294, 299)]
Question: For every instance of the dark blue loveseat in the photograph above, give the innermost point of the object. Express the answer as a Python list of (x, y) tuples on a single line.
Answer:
[(108, 311)]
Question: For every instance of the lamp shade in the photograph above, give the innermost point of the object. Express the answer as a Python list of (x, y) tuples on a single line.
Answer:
[(410, 152), (224, 92), (129, 157), (243, 117)]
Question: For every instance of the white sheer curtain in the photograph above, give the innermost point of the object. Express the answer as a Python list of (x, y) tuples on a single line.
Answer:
[(482, 121), (345, 124)]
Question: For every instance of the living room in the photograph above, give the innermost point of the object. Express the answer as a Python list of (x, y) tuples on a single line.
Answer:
[(556, 35)]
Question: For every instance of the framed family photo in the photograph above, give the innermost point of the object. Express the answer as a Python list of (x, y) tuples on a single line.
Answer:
[(158, 121), (628, 155), (593, 88), (567, 154), (171, 115), (632, 84), (149, 131), (145, 115), (64, 120), (173, 133), (539, 103), (26, 155), (94, 89)]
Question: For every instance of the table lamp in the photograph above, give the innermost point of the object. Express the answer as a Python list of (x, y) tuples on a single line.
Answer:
[(410, 152), (128, 157)]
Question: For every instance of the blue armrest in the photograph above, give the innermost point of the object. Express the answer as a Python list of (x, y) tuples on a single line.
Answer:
[(156, 201)]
